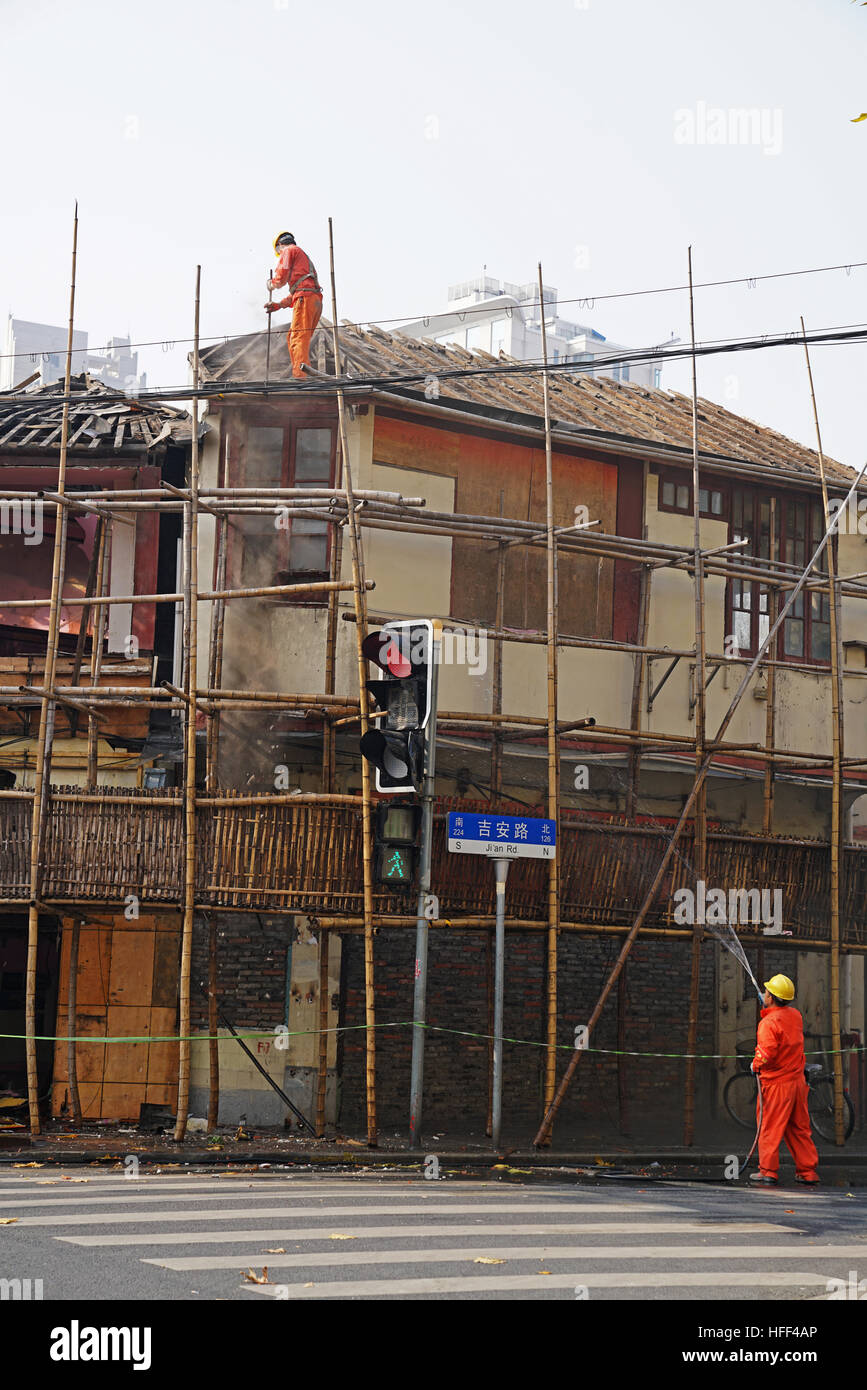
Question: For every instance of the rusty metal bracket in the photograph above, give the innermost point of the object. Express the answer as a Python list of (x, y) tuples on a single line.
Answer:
[(653, 691)]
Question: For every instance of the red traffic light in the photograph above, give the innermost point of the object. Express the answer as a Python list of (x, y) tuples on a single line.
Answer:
[(384, 649)]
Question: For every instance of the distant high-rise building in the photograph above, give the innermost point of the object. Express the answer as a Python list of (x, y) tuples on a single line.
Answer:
[(41, 347), (495, 316)]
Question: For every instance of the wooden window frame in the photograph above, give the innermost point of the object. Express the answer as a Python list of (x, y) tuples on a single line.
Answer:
[(682, 480), (756, 497)]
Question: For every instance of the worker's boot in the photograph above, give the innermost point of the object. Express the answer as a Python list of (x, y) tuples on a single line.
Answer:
[(763, 1179), (808, 1182)]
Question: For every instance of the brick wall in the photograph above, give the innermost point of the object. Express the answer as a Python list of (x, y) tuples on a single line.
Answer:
[(456, 1068), (251, 968)]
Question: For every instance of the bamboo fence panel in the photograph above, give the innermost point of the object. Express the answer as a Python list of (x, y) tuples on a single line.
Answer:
[(278, 857)]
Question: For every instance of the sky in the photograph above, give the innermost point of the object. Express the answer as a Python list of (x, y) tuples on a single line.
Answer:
[(594, 136)]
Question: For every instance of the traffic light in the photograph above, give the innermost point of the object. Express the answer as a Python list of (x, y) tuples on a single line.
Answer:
[(395, 745), (395, 844)]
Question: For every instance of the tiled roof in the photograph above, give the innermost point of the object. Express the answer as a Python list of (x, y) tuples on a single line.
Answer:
[(613, 410), (98, 420)]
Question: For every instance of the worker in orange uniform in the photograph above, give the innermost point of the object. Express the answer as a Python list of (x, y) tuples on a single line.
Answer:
[(295, 269), (778, 1064)]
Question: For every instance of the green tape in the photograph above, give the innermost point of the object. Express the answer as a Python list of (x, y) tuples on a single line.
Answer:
[(282, 1032)]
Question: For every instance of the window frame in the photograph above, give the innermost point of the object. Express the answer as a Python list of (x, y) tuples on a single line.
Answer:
[(813, 519), (681, 480)]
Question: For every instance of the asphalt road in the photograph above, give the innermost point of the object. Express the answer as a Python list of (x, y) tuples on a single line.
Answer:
[(97, 1235)]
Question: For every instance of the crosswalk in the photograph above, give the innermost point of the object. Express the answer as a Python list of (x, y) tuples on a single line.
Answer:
[(299, 1237)]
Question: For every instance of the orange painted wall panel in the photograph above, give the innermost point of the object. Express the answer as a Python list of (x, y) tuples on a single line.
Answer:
[(487, 470)]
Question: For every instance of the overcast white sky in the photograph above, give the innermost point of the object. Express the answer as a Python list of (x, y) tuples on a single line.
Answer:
[(441, 138)]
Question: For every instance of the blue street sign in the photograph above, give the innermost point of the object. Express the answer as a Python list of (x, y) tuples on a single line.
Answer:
[(496, 835)]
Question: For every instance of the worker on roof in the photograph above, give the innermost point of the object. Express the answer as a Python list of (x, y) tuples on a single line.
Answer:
[(779, 1063), (295, 269)]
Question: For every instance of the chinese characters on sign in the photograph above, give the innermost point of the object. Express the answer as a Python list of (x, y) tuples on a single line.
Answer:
[(518, 837)]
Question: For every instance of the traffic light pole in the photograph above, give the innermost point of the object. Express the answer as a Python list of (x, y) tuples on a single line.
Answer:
[(421, 925), (501, 870)]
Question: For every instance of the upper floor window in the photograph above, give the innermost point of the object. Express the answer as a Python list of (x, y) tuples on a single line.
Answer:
[(788, 529), (675, 495), (277, 456)]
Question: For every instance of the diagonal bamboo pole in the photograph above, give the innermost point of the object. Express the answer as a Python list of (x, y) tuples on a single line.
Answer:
[(46, 725), (836, 637), (700, 735), (658, 877), (191, 605), (553, 740), (360, 634)]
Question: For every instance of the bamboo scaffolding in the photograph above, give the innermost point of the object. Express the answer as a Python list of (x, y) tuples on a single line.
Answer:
[(359, 591), (552, 734), (544, 1128), (46, 726), (191, 584), (836, 639)]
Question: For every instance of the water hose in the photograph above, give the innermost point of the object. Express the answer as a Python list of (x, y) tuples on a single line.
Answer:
[(746, 1163)]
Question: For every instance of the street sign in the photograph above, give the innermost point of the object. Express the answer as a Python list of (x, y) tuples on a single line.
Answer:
[(501, 836)]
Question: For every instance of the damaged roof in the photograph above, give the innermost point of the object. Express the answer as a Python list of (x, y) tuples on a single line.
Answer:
[(99, 420), (587, 406)]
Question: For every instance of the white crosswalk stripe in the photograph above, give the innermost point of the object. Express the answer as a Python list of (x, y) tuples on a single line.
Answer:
[(368, 1238)]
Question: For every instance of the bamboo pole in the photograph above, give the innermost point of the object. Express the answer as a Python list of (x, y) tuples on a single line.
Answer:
[(544, 1128), (553, 740), (72, 1021), (700, 735), (46, 726), (102, 579), (359, 590), (322, 1070), (191, 584), (837, 732), (771, 698)]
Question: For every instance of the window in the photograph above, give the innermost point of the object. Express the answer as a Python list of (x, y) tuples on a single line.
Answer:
[(298, 549), (787, 529), (675, 495)]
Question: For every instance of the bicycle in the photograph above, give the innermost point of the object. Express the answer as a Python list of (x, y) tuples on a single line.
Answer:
[(741, 1092)]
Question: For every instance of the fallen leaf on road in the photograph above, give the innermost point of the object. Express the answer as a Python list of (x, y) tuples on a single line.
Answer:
[(790, 1211), (46, 1182), (28, 1165), (308, 1286), (487, 1260), (275, 1250), (337, 1236), (253, 1278), (7, 1220), (602, 1163), (64, 1178), (544, 1271)]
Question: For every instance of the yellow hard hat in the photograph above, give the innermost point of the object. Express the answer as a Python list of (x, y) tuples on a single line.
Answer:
[(781, 987), (280, 237)]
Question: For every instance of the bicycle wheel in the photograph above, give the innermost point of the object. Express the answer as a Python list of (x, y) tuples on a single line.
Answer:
[(820, 1102), (740, 1099)]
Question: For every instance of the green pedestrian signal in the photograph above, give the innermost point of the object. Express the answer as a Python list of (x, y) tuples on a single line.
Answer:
[(395, 844)]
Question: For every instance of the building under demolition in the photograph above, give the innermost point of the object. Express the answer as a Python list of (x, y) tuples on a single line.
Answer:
[(187, 825)]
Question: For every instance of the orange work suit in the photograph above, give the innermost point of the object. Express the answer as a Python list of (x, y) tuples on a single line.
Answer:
[(295, 269), (779, 1065)]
